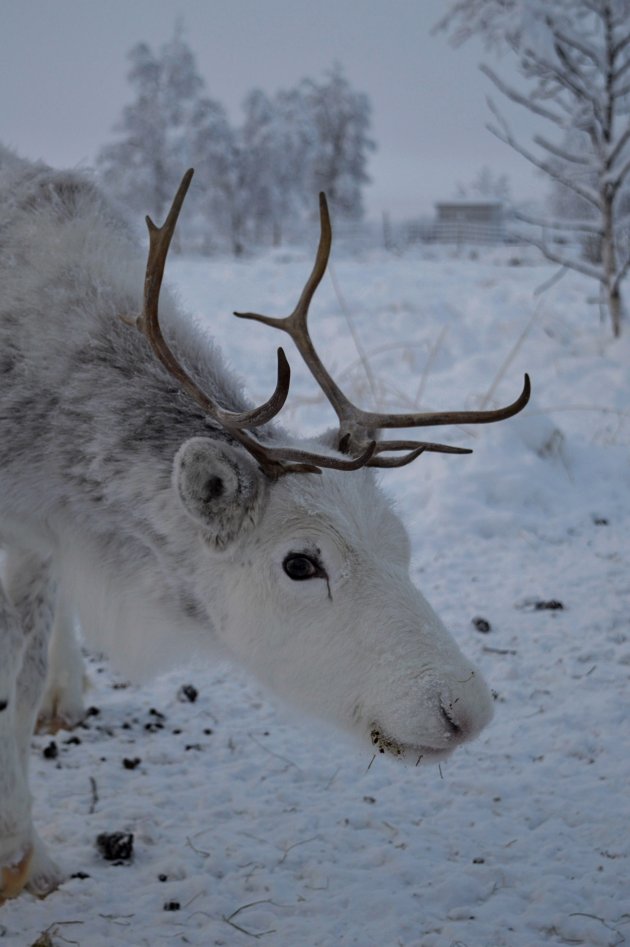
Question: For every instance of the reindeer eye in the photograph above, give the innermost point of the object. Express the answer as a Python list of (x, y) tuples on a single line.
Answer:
[(300, 567)]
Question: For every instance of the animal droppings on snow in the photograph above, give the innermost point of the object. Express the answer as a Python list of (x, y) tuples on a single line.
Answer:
[(540, 605), (187, 692), (51, 752), (131, 763), (115, 846)]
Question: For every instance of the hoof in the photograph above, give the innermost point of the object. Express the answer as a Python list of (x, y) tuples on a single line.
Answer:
[(14, 879), (54, 716), (52, 725), (44, 875)]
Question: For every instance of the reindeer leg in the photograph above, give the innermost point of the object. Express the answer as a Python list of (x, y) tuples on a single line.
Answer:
[(62, 706), (25, 623), (16, 837)]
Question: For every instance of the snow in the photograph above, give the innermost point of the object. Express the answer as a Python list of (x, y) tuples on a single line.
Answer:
[(266, 825)]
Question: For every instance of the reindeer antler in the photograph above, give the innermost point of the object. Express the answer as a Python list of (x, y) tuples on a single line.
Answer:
[(356, 426), (274, 461)]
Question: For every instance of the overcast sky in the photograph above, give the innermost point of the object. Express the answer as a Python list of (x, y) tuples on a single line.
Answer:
[(63, 80)]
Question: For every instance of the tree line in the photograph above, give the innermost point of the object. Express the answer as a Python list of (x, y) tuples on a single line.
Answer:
[(256, 181)]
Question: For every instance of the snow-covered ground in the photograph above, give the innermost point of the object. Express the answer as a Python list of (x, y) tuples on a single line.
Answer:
[(252, 823)]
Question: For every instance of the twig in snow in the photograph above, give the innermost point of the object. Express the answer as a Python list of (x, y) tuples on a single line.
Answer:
[(230, 920), (609, 927), (199, 851), (45, 938), (272, 753), (305, 841), (94, 801)]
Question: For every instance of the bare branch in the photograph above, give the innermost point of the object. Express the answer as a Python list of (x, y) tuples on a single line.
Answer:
[(560, 152), (621, 275), (588, 194), (621, 45), (573, 264), (621, 174), (575, 85), (521, 99), (619, 146), (579, 45), (579, 226), (618, 74)]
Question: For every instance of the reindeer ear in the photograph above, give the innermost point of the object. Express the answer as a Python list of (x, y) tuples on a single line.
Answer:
[(220, 487)]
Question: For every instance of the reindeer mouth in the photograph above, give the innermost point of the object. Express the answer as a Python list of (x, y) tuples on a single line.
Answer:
[(410, 752)]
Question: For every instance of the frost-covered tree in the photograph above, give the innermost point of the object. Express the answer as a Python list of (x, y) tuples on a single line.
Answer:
[(341, 121), (279, 137), (255, 181), (487, 185), (143, 167), (217, 159), (136, 166), (575, 58)]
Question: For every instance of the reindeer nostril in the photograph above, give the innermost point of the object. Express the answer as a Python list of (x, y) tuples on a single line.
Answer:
[(448, 715)]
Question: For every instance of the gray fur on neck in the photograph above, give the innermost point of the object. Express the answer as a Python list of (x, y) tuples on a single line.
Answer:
[(97, 408)]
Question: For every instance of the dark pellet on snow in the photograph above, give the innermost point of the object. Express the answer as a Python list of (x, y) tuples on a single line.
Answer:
[(51, 752), (482, 625), (131, 764), (115, 846), (172, 906), (187, 692), (552, 605)]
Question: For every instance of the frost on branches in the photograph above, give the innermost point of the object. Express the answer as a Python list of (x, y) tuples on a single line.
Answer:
[(257, 181), (575, 58)]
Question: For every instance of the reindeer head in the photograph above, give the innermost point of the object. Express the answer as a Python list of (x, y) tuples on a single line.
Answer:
[(307, 577)]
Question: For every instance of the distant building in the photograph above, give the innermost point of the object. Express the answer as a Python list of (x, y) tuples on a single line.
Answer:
[(469, 222)]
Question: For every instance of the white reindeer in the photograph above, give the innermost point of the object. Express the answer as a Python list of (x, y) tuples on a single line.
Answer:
[(137, 484)]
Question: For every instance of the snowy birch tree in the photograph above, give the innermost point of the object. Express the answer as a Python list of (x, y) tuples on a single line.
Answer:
[(575, 58), (279, 135), (341, 120), (135, 167), (145, 165), (223, 173)]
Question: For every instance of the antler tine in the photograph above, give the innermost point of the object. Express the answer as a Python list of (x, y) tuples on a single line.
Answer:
[(296, 323), (148, 323), (372, 419), (414, 448), (356, 425)]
